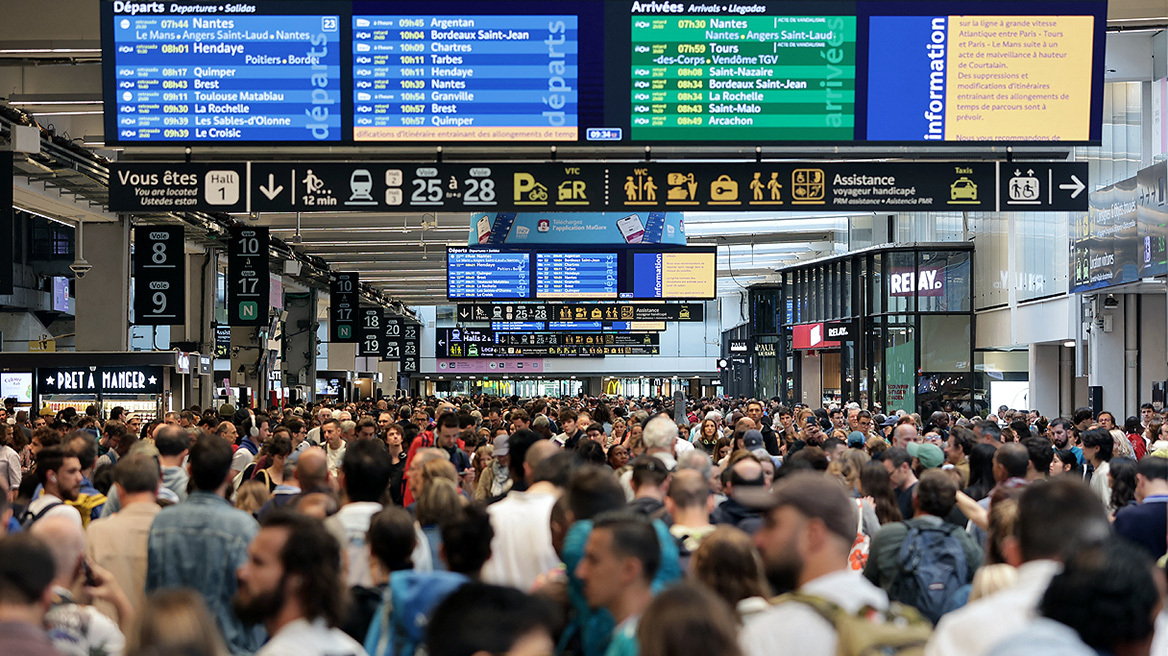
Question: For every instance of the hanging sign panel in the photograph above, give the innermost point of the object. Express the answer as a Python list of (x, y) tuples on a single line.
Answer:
[(372, 331), (344, 303), (160, 289), (633, 199), (248, 276)]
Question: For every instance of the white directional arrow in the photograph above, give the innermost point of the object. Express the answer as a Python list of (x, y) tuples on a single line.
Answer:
[(1078, 186), (272, 190)]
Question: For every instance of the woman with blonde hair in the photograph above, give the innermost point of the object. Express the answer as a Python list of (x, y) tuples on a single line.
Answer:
[(252, 495), (727, 563), (175, 621)]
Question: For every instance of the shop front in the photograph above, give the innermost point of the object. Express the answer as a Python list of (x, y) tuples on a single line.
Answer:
[(888, 327)]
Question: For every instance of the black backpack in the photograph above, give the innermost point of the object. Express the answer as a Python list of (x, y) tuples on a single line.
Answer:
[(933, 575)]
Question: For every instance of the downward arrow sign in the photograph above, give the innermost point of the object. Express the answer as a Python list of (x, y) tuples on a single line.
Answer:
[(1078, 186), (272, 190)]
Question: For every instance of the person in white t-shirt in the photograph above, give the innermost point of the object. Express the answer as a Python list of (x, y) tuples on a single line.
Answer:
[(521, 549), (291, 583)]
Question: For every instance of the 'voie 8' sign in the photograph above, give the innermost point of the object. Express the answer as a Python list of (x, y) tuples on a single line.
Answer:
[(160, 291)]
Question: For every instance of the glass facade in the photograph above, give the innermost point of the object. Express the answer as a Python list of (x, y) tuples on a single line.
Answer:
[(888, 327)]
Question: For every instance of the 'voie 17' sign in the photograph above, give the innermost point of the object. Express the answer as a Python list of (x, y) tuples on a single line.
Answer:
[(100, 380), (927, 281)]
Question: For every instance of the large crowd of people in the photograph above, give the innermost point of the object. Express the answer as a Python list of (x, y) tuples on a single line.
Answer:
[(585, 526)]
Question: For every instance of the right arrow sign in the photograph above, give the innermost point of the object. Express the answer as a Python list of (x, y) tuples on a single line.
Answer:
[(1042, 186)]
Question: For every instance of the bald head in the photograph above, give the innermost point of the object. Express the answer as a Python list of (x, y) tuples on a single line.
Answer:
[(312, 469), (540, 451), (903, 434), (66, 541)]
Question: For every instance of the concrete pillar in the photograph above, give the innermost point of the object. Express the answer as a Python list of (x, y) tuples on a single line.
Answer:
[(1045, 378), (389, 372), (245, 354), (103, 295), (1106, 356), (200, 315), (1066, 382), (299, 355), (1131, 359)]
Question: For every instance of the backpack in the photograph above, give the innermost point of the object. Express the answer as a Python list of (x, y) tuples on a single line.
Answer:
[(399, 626), (28, 518), (932, 574), (898, 631)]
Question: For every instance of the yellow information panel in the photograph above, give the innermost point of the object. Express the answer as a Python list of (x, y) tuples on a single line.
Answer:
[(687, 275), (1019, 78)]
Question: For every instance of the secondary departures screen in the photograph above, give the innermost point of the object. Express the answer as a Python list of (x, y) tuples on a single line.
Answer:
[(581, 273), (603, 71)]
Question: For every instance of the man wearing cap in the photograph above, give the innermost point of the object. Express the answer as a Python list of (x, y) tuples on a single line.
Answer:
[(496, 479), (755, 443), (804, 541)]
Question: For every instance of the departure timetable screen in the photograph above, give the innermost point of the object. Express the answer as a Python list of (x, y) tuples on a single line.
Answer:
[(620, 72)]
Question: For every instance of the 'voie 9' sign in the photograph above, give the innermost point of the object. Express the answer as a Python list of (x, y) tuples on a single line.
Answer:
[(100, 380)]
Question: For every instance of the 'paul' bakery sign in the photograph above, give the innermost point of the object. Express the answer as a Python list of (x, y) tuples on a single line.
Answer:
[(100, 380)]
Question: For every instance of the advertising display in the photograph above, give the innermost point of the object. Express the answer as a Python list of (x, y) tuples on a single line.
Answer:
[(1122, 237), (602, 71), (812, 336), (493, 273), (16, 385), (160, 290), (522, 228)]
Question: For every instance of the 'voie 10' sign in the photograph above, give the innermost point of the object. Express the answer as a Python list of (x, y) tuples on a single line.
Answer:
[(100, 380), (927, 281)]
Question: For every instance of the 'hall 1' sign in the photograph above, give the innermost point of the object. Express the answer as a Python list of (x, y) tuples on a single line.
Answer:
[(100, 380)]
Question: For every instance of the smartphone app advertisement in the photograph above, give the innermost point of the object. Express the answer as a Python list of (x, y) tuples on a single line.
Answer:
[(599, 228)]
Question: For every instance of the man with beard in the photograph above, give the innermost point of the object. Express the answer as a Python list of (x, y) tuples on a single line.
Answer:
[(291, 583), (1062, 436), (804, 541), (59, 473)]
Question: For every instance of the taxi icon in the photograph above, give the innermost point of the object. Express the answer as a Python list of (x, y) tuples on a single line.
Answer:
[(963, 189)]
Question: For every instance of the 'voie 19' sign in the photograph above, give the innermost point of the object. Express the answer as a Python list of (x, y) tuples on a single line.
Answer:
[(100, 380), (928, 281)]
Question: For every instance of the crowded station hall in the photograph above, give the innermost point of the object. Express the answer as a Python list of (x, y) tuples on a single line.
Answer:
[(583, 328), (584, 525)]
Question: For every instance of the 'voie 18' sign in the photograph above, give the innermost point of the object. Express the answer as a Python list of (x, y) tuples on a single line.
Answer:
[(100, 380), (928, 281)]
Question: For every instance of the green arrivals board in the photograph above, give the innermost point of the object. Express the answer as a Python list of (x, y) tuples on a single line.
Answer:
[(725, 78)]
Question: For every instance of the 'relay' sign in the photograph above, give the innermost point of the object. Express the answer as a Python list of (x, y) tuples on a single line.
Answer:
[(811, 336), (929, 281)]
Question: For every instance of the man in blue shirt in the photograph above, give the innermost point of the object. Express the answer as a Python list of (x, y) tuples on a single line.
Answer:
[(201, 542), (1147, 524)]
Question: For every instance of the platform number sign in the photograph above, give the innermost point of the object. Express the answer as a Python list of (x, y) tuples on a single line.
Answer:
[(391, 339), (344, 305), (248, 276), (410, 363), (160, 289), (372, 331)]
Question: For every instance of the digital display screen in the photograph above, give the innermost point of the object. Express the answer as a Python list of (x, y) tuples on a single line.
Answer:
[(581, 274), (487, 274), (16, 385), (576, 275), (674, 275), (604, 71), (465, 78), (226, 78)]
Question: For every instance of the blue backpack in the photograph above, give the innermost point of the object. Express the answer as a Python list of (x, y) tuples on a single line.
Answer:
[(399, 626), (933, 576)]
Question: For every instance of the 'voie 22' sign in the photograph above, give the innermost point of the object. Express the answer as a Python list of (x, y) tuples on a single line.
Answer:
[(100, 380)]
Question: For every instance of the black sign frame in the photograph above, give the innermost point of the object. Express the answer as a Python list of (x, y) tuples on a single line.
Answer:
[(344, 303), (248, 275), (411, 361), (145, 380), (372, 332), (689, 311), (160, 284)]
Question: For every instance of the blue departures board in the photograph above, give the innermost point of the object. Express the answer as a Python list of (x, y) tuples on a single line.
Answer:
[(576, 275), (484, 274), (465, 78), (227, 78)]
